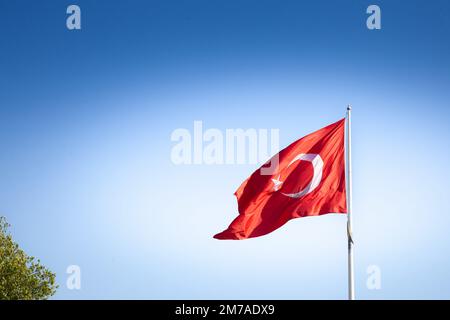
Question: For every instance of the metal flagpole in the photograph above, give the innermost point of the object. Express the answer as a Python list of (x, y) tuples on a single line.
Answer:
[(351, 284)]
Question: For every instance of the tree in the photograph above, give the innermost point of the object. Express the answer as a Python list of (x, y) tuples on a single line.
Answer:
[(22, 277)]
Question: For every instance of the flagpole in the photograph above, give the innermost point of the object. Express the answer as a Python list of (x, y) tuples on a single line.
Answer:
[(351, 284)]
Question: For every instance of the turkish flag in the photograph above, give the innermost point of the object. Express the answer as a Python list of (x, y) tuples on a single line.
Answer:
[(308, 181)]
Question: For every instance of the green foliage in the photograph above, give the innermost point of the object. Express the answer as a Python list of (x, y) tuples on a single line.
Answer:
[(22, 277)]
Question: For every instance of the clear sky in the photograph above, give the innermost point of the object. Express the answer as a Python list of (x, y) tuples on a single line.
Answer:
[(86, 117)]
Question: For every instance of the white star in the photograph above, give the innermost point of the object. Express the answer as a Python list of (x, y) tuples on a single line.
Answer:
[(277, 183)]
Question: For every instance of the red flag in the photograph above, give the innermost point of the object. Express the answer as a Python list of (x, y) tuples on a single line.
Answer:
[(310, 181)]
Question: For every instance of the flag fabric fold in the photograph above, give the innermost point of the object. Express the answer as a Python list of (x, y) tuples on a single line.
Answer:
[(309, 180)]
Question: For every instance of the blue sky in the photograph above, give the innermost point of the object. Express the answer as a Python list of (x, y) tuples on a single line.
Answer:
[(86, 118)]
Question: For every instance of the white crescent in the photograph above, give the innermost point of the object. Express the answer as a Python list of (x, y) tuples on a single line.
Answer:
[(317, 163)]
